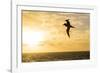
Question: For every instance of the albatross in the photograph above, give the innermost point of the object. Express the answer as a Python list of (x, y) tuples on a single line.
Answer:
[(68, 25)]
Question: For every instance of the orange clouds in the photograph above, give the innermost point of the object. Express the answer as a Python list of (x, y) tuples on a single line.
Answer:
[(56, 39)]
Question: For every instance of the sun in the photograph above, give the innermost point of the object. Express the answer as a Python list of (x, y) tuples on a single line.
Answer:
[(32, 37)]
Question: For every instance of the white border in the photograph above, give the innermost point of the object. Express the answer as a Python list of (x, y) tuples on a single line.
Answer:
[(17, 66)]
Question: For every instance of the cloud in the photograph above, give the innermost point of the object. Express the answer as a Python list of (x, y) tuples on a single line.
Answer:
[(56, 37)]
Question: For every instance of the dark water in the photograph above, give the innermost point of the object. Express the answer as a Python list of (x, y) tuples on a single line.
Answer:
[(55, 56)]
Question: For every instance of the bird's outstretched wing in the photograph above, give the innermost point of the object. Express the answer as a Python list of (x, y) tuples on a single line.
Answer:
[(72, 26), (65, 24), (67, 30)]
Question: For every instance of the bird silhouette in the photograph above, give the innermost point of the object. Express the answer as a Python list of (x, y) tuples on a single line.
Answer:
[(68, 25)]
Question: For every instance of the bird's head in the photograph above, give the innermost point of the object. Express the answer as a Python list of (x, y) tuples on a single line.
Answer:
[(67, 19)]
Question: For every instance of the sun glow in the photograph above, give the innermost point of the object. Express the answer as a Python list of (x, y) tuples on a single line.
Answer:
[(32, 38)]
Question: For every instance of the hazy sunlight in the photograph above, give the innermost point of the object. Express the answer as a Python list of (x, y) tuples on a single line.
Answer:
[(32, 38)]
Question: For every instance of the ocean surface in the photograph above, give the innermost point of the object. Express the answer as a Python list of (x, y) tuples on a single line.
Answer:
[(55, 56)]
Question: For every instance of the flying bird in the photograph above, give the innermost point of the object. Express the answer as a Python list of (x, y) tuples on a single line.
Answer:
[(68, 25)]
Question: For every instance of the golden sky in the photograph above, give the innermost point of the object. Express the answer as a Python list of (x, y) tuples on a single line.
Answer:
[(44, 32)]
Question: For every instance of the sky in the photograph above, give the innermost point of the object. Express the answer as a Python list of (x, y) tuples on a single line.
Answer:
[(45, 32)]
